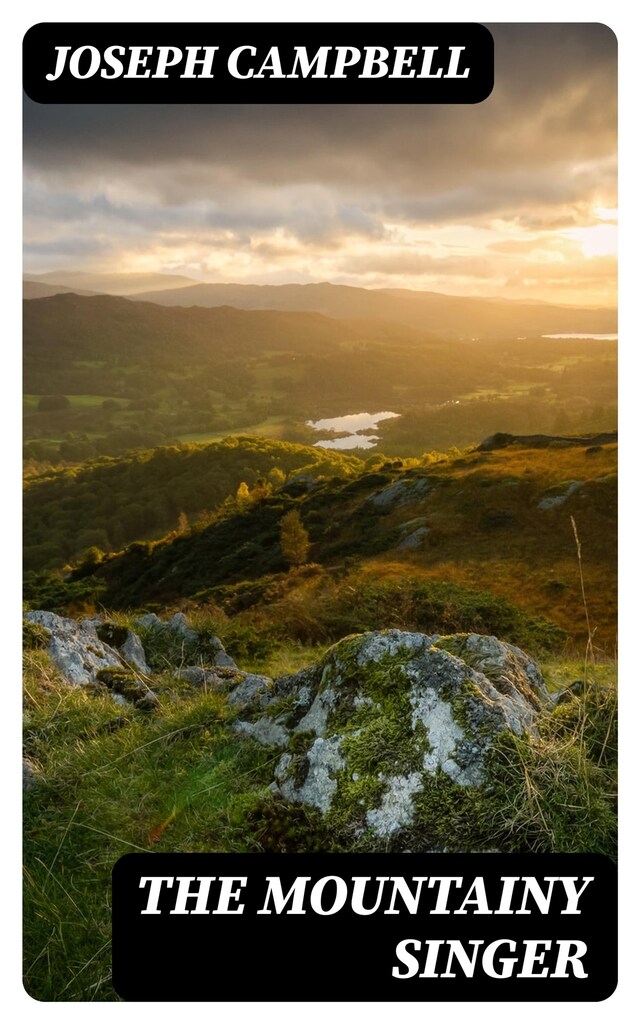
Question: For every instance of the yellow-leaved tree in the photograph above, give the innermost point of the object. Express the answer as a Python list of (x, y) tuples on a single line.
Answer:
[(294, 539)]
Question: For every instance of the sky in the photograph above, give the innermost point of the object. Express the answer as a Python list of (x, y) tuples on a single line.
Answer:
[(513, 197)]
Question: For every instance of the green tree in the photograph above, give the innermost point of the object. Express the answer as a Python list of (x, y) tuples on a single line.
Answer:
[(294, 539), (53, 403)]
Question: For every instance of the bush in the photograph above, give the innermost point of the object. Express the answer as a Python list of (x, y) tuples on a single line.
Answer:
[(53, 403), (356, 604)]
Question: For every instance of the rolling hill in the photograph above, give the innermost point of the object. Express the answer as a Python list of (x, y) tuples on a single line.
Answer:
[(431, 311), (42, 290), (470, 523), (84, 282), (136, 374), (114, 501), (105, 345)]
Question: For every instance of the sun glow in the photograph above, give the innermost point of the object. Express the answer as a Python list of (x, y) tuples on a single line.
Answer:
[(597, 240)]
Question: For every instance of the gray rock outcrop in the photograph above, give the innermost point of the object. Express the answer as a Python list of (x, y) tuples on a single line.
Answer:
[(401, 492), (415, 539), (133, 652), (554, 497), (98, 651), (385, 715), (75, 648)]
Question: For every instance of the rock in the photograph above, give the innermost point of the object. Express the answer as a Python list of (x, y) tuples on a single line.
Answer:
[(569, 693), (29, 776), (497, 441), (413, 540), (266, 731), (149, 702), (198, 676), (300, 483), (149, 621), (324, 760), (223, 660), (554, 497), (75, 648), (99, 653), (387, 716), (504, 664), (180, 624), (125, 641), (401, 492), (133, 653), (182, 638), (250, 689), (413, 524)]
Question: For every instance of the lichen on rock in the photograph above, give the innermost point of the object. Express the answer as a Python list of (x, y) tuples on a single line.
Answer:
[(75, 647), (386, 718)]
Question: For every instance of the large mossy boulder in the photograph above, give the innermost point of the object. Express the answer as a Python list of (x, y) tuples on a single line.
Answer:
[(392, 728)]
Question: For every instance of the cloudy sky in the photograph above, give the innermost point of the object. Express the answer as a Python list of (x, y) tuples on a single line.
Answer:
[(515, 196)]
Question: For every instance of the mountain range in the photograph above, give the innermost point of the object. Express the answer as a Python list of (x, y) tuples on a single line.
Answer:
[(447, 315)]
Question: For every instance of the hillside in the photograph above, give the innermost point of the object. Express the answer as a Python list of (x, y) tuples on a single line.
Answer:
[(452, 315), (144, 494), (471, 525)]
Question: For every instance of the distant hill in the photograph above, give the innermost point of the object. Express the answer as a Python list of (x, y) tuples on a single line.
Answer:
[(85, 282), (80, 344), (446, 314), (40, 290)]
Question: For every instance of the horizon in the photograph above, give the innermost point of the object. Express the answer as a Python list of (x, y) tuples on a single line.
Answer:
[(36, 277)]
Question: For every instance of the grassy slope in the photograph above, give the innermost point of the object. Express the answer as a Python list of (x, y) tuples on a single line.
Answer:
[(115, 780), (486, 532), (111, 502)]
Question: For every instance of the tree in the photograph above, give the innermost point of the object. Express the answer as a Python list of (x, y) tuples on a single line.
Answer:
[(276, 477), (294, 539), (243, 498), (53, 403)]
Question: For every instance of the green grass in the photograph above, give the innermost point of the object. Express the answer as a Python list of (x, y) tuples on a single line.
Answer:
[(558, 792), (286, 660), (273, 427), (110, 780), (559, 674)]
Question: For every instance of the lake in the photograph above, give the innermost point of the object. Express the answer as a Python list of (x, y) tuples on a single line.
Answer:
[(355, 426), (592, 337)]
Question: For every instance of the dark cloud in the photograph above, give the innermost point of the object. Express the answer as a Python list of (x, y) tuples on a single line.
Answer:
[(538, 153), (555, 93)]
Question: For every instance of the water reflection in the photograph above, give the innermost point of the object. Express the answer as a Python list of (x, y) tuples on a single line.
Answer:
[(356, 426)]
